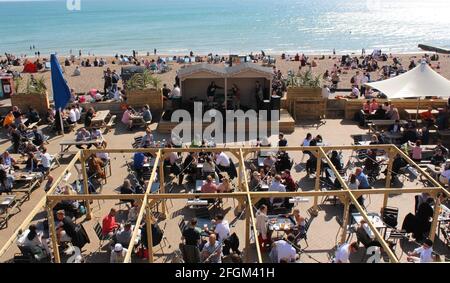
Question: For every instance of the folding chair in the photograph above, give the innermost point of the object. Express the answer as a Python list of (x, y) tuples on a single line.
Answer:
[(98, 231)]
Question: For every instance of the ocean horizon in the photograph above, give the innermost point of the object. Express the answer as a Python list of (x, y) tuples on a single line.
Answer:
[(107, 27)]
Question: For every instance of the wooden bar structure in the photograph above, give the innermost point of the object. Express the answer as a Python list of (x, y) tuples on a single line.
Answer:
[(243, 195)]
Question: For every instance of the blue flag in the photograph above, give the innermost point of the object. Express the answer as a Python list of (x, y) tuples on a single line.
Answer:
[(61, 91)]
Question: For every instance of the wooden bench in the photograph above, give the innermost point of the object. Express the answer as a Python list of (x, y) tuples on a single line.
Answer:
[(110, 124)]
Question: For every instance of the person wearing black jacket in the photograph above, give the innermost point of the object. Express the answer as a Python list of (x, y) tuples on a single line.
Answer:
[(68, 231), (38, 137)]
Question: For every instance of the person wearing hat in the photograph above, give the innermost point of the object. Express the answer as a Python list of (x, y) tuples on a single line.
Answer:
[(423, 254), (118, 254)]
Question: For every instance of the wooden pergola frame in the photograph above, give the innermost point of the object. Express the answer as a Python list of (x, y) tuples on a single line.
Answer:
[(245, 197)]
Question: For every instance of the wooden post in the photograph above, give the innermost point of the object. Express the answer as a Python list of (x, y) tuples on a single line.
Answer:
[(345, 219), (434, 224), (85, 185), (318, 173), (247, 233), (52, 231), (149, 234), (388, 175), (162, 185)]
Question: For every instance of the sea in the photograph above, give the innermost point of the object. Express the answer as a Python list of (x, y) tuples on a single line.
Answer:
[(107, 27)]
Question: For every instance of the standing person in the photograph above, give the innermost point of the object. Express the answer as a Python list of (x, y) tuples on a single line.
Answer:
[(283, 251), (211, 91), (108, 81), (192, 234), (115, 78), (165, 92), (118, 254), (262, 221), (154, 51), (236, 97), (343, 252)]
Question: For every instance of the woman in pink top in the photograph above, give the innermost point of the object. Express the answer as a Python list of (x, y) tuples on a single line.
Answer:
[(373, 105), (416, 154), (126, 118)]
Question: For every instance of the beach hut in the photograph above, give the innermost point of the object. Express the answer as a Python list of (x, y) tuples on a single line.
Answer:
[(195, 79)]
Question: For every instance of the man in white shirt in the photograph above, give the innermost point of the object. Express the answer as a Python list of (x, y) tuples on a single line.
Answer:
[(46, 161), (176, 92), (72, 115), (343, 252), (222, 228), (276, 186), (423, 254), (77, 113), (283, 251), (222, 161)]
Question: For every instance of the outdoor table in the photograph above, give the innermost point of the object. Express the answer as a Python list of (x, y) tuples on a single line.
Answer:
[(280, 223), (6, 202), (65, 145), (375, 125), (375, 218), (99, 120), (25, 182), (413, 112), (392, 138)]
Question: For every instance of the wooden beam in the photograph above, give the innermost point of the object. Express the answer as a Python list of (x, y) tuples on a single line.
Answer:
[(434, 223), (389, 175), (318, 173), (85, 185), (149, 234), (345, 219), (54, 238)]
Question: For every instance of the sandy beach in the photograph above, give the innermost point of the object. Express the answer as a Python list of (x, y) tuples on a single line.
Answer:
[(92, 77)]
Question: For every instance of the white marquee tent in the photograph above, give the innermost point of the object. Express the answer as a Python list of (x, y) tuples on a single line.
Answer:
[(419, 82)]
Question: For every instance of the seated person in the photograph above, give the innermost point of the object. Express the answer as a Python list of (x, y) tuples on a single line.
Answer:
[(109, 224), (33, 116), (222, 161), (222, 229), (416, 154), (283, 251), (212, 250), (139, 160), (423, 254), (147, 139), (209, 186), (371, 164), (7, 161), (46, 161), (311, 164), (6, 181), (32, 163), (379, 114), (300, 221), (255, 182), (146, 114), (66, 228), (123, 235), (396, 127), (127, 118), (225, 186), (33, 240), (38, 137), (83, 135), (96, 167), (288, 181), (427, 117), (118, 254)]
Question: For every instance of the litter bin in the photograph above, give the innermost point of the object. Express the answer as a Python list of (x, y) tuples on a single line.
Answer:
[(266, 107), (6, 86)]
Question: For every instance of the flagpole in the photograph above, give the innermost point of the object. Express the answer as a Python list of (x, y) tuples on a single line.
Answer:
[(61, 121)]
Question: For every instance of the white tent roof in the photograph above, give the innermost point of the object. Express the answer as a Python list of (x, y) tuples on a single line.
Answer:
[(419, 82)]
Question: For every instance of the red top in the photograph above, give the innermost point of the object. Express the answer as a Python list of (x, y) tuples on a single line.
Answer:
[(209, 188), (109, 224)]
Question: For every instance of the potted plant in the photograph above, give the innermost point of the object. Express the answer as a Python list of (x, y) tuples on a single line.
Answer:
[(143, 88)]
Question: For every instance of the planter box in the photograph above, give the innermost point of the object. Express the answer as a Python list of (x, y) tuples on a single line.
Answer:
[(306, 103), (152, 97), (38, 101)]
